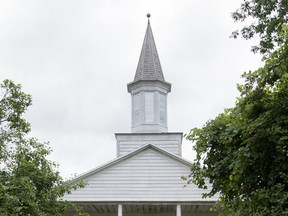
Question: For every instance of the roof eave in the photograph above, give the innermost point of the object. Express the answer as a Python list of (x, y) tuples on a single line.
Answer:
[(133, 84)]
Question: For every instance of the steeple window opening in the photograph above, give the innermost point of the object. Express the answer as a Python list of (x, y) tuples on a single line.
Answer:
[(149, 107), (136, 108), (162, 109)]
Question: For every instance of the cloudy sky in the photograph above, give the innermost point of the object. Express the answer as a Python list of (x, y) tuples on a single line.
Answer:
[(75, 57)]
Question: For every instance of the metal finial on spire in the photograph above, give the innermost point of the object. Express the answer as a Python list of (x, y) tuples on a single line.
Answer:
[(148, 15)]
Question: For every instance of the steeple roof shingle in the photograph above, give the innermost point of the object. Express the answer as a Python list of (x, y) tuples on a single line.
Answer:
[(149, 67)]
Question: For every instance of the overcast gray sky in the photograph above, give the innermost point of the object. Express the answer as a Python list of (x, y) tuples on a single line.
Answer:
[(75, 57)]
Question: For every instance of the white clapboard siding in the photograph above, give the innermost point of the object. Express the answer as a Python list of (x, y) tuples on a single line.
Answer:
[(127, 143), (129, 146), (149, 174)]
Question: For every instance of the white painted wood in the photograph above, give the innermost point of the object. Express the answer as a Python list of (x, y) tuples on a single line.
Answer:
[(136, 109), (127, 147), (178, 210), (149, 112), (127, 143), (162, 109), (138, 209), (119, 210), (147, 176)]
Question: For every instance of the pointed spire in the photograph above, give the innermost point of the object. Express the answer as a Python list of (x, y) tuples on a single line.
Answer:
[(149, 67)]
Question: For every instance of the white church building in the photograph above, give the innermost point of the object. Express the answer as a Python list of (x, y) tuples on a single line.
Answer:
[(145, 178)]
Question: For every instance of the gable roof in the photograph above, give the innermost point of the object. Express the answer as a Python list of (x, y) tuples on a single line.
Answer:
[(149, 67), (124, 157), (149, 174)]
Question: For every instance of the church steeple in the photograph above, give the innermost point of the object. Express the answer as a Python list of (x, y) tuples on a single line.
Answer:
[(149, 90), (149, 105)]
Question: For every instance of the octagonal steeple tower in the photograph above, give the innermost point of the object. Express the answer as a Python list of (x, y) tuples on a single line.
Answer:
[(149, 90)]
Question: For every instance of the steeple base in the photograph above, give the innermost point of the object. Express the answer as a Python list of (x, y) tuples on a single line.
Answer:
[(149, 128), (128, 142)]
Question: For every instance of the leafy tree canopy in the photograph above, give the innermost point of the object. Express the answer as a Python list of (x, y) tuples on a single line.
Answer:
[(266, 19), (29, 183), (244, 150)]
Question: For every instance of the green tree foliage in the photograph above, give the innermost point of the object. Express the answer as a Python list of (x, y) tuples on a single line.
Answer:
[(266, 18), (29, 183), (244, 150)]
